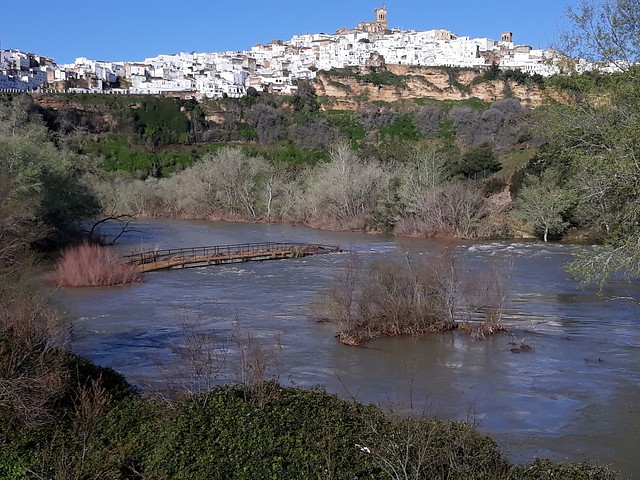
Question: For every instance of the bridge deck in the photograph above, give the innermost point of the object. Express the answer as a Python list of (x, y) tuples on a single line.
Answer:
[(223, 254)]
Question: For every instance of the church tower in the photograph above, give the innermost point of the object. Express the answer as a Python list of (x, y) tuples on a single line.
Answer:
[(381, 17)]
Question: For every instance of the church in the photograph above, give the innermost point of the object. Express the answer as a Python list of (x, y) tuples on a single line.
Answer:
[(379, 25)]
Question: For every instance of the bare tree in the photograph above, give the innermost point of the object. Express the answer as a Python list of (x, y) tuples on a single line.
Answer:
[(345, 190), (32, 373), (419, 177)]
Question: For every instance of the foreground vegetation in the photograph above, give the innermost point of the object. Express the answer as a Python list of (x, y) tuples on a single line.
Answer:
[(88, 265)]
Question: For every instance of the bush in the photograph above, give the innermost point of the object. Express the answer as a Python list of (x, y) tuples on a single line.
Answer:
[(428, 120), (393, 297), (493, 185), (93, 266), (546, 469), (477, 162), (32, 374), (455, 209)]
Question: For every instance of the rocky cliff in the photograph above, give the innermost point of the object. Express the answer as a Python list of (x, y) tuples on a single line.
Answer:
[(67, 111), (347, 92)]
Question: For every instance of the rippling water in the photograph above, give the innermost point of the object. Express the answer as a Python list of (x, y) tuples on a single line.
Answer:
[(575, 396)]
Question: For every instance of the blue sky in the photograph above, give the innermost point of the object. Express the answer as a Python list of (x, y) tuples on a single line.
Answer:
[(136, 29)]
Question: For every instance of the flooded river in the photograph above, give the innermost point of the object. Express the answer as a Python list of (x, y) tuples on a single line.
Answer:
[(575, 396)]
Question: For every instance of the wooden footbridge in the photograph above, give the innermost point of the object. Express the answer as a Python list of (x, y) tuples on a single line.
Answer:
[(223, 254)]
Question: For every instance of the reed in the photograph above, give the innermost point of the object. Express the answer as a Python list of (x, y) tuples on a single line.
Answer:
[(93, 266)]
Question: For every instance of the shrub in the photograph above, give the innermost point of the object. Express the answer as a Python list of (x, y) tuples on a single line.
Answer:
[(393, 297), (401, 296), (455, 209), (493, 185), (93, 266), (32, 374)]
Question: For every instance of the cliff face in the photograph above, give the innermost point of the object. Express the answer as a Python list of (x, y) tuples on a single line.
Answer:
[(348, 93), (95, 117)]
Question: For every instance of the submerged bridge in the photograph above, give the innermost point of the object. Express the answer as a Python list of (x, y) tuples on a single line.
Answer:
[(223, 254)]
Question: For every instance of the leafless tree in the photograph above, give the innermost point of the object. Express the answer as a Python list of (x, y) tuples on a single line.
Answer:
[(32, 372), (428, 119), (345, 190)]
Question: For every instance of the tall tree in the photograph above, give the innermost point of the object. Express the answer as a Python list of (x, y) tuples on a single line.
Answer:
[(605, 31), (597, 140)]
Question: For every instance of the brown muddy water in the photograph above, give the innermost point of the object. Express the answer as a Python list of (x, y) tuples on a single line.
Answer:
[(575, 396)]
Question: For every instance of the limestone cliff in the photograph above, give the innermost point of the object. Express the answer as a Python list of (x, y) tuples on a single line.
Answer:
[(349, 92)]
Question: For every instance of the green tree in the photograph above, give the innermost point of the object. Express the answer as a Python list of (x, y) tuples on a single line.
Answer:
[(305, 99), (477, 162), (605, 31), (43, 183), (544, 204), (597, 140)]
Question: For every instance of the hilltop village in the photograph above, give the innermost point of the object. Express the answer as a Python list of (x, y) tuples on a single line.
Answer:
[(276, 66)]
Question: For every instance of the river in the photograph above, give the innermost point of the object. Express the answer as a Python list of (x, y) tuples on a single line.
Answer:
[(574, 396)]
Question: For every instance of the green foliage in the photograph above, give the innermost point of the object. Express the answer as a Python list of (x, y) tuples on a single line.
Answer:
[(376, 76), (473, 102), (280, 433), (347, 125), (401, 129), (274, 433), (120, 155), (517, 76), (544, 204), (42, 179), (159, 121), (447, 131), (477, 162), (546, 469), (454, 75), (594, 146), (305, 99), (340, 85), (604, 31), (524, 78), (286, 153), (492, 73)]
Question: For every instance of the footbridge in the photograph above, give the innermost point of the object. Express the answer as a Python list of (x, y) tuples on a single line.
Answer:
[(223, 254)]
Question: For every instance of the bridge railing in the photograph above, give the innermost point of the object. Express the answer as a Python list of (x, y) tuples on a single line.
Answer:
[(225, 251)]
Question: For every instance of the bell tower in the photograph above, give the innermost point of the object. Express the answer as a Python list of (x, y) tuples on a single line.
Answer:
[(506, 37), (381, 17)]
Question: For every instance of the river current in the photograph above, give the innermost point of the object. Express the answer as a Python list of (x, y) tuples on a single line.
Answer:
[(574, 396)]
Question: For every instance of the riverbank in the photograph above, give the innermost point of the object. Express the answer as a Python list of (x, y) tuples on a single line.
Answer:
[(518, 233)]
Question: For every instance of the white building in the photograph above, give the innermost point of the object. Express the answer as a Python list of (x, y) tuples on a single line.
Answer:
[(276, 65)]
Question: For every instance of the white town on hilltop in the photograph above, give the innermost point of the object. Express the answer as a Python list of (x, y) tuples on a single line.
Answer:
[(275, 67)]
